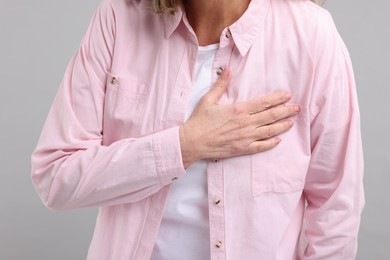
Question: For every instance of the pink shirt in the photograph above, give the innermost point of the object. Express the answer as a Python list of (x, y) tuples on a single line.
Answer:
[(111, 139)]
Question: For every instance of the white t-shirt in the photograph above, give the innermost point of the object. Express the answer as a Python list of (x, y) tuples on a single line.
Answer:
[(184, 231)]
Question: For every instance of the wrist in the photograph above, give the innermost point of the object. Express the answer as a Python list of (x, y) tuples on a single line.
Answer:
[(188, 147)]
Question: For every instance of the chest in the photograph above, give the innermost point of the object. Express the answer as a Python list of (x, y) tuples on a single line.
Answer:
[(149, 86)]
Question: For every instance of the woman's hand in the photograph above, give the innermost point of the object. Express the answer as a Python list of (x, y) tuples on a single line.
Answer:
[(221, 131)]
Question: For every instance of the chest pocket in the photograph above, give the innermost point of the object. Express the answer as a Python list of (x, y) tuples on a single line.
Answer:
[(125, 103), (283, 169)]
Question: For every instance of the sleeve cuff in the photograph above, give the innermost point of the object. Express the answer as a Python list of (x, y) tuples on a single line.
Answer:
[(167, 152)]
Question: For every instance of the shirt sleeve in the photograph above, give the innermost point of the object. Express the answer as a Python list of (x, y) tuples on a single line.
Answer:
[(70, 166), (334, 183)]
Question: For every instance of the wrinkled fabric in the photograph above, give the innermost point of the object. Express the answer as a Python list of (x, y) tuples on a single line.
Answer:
[(111, 138)]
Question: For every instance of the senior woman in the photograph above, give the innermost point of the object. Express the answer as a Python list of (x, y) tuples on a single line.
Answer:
[(208, 129)]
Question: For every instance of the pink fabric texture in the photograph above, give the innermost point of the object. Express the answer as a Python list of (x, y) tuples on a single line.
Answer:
[(111, 138)]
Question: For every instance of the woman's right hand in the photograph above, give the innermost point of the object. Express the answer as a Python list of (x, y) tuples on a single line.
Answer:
[(222, 131)]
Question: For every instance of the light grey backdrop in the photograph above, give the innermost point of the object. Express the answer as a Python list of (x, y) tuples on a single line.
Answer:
[(37, 40)]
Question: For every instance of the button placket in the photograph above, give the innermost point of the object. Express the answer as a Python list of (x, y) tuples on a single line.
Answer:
[(218, 244), (215, 177), (216, 208), (216, 213)]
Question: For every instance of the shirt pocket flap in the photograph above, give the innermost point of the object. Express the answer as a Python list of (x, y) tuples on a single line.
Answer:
[(126, 87)]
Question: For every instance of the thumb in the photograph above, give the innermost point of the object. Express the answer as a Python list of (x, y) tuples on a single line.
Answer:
[(219, 87)]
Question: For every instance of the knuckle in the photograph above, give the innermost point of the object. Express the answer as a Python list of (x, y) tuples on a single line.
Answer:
[(266, 104), (237, 109), (241, 123), (236, 148), (267, 145), (258, 134), (260, 147), (273, 114), (269, 131), (282, 97)]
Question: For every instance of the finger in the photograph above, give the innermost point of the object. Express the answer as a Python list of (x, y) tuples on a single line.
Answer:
[(275, 114), (219, 87), (266, 102), (272, 130), (263, 145)]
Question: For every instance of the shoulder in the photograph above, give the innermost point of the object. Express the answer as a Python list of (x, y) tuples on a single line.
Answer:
[(300, 10), (130, 16), (307, 23), (301, 15)]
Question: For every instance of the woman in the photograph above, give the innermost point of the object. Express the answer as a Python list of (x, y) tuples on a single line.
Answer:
[(201, 132)]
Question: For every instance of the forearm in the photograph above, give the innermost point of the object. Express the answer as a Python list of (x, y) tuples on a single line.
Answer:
[(126, 171)]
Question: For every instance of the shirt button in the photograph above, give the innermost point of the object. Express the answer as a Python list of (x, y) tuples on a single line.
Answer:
[(218, 244), (228, 34), (217, 201), (114, 80), (220, 71), (216, 160)]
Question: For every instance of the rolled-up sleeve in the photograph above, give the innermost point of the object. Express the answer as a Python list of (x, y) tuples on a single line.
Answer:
[(334, 183), (70, 166)]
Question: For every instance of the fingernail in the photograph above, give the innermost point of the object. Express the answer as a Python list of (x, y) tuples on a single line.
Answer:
[(277, 140), (297, 108), (287, 94)]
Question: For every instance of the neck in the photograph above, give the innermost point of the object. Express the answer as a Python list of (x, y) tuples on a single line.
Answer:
[(208, 18)]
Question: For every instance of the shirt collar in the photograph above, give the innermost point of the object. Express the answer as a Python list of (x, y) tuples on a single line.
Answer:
[(172, 21), (249, 25), (244, 30)]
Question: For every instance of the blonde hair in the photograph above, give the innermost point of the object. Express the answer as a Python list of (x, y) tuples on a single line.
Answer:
[(165, 6), (170, 6)]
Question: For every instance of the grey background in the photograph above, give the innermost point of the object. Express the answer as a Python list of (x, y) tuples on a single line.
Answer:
[(37, 40)]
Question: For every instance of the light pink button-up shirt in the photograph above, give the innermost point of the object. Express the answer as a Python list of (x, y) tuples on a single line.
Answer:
[(111, 139)]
